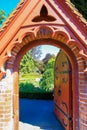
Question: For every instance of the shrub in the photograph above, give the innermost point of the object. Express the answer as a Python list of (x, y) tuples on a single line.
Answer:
[(27, 90), (47, 81), (26, 87)]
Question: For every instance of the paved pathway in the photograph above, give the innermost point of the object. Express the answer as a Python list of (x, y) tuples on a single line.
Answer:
[(37, 115)]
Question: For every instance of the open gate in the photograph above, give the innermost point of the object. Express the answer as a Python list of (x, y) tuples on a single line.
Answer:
[(63, 91)]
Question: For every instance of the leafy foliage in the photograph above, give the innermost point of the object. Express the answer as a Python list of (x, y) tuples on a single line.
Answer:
[(30, 62), (36, 52), (26, 87), (47, 80), (27, 90), (47, 58), (45, 71), (32, 78), (50, 64), (81, 5), (2, 16), (40, 65), (27, 64)]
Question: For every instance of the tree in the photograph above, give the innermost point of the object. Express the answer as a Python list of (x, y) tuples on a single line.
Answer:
[(2, 16), (50, 63), (27, 64), (47, 80), (81, 5), (40, 65), (36, 52), (47, 57)]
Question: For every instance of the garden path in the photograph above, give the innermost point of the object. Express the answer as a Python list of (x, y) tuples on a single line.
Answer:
[(38, 115)]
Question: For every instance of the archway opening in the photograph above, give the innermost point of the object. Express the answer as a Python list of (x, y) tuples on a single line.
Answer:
[(36, 66), (37, 82), (47, 86), (72, 60)]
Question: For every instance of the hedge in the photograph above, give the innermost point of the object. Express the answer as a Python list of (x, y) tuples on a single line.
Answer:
[(38, 95)]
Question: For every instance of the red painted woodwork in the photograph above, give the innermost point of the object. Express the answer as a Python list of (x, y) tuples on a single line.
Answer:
[(63, 91), (25, 28)]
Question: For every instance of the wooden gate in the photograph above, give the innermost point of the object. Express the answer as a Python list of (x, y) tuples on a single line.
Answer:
[(63, 91)]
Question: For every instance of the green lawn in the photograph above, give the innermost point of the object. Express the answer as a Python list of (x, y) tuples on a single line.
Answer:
[(31, 78)]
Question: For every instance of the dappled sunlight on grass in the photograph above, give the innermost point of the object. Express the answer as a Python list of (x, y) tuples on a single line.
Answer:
[(32, 78)]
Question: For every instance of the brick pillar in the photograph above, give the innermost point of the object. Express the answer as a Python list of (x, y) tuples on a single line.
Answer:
[(83, 102), (6, 105)]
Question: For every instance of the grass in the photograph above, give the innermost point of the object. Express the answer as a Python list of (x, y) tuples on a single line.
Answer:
[(31, 78)]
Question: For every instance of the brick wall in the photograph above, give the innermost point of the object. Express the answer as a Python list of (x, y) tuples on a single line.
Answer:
[(6, 106)]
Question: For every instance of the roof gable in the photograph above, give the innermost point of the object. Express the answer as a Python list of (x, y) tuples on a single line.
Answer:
[(34, 8), (42, 13), (28, 10)]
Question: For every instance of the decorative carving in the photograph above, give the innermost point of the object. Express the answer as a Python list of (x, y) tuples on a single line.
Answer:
[(11, 47), (2, 62), (44, 32), (39, 32), (4, 58), (44, 16), (61, 36)]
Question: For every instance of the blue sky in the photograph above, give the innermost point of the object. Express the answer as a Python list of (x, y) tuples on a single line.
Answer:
[(49, 49), (8, 6)]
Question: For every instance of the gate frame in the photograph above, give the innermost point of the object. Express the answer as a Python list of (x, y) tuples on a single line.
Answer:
[(74, 76)]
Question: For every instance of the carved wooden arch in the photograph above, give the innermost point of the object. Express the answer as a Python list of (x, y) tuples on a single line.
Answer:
[(41, 32), (37, 33)]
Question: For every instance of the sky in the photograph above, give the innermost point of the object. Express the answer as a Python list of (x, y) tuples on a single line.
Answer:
[(8, 6), (49, 49)]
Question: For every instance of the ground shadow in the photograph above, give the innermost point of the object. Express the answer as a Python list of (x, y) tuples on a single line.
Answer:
[(39, 113)]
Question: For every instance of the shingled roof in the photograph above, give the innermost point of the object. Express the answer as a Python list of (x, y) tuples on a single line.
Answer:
[(12, 15)]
